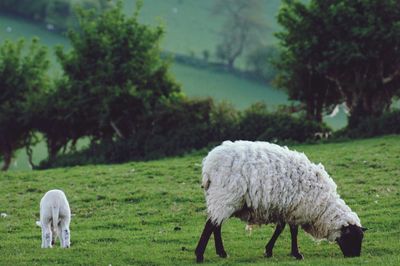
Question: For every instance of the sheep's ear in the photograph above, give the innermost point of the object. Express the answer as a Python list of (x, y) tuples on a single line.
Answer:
[(364, 229), (345, 230)]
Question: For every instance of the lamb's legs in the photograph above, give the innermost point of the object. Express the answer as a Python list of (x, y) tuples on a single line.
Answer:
[(219, 246), (46, 236), (294, 229), (64, 234), (56, 233), (205, 236), (271, 243)]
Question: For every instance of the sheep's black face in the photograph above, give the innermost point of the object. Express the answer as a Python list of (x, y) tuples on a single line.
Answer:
[(350, 240)]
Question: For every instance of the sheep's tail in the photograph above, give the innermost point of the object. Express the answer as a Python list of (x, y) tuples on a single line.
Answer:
[(55, 212)]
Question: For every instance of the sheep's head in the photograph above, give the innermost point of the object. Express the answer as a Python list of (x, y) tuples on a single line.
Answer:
[(350, 240)]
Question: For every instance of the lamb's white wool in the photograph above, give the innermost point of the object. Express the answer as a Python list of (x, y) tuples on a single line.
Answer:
[(261, 183), (55, 216)]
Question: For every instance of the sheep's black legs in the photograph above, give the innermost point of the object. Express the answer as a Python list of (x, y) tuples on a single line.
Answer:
[(205, 236), (210, 228), (271, 243), (294, 229), (219, 246)]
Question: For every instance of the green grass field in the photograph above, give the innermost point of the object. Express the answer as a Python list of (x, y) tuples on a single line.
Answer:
[(152, 213)]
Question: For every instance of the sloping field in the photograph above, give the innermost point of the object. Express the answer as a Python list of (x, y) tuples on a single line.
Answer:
[(152, 213), (191, 26)]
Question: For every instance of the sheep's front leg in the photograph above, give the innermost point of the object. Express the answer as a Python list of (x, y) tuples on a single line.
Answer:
[(271, 243), (205, 236), (294, 229), (46, 236), (219, 246)]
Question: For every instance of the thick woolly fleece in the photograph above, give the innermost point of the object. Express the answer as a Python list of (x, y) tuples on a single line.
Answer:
[(55, 217), (261, 183)]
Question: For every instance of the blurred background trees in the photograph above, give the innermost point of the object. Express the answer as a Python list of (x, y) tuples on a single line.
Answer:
[(23, 75), (242, 30), (57, 14), (114, 74), (352, 44)]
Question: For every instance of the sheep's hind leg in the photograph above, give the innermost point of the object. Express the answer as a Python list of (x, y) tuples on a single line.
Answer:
[(46, 236), (271, 243), (294, 229), (65, 236), (56, 233), (219, 246), (205, 236)]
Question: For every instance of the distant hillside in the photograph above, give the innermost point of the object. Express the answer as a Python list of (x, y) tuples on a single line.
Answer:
[(57, 15), (190, 26)]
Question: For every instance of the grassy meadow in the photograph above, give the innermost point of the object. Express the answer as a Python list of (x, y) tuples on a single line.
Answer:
[(152, 213)]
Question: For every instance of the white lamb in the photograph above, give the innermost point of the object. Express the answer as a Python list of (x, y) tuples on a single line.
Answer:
[(262, 183), (55, 216)]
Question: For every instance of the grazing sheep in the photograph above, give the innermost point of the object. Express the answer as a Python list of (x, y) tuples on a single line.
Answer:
[(55, 216), (262, 183)]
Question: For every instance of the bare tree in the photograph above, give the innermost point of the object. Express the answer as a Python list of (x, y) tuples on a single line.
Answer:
[(243, 27)]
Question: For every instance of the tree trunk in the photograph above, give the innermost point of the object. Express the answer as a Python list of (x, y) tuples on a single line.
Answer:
[(7, 155), (310, 110), (231, 63), (367, 106), (314, 110), (52, 153), (29, 152), (318, 115), (53, 147)]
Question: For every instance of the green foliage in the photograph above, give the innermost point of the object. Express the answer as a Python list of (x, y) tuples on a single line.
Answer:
[(260, 62), (126, 214), (296, 74), (57, 118), (115, 71), (388, 123), (259, 124), (244, 24), (23, 75), (224, 122), (350, 43), (316, 93), (184, 125), (171, 129), (58, 13)]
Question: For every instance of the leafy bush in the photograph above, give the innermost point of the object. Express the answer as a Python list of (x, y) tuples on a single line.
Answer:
[(57, 13), (224, 121), (172, 129), (23, 76), (258, 124), (388, 123), (184, 125), (260, 62)]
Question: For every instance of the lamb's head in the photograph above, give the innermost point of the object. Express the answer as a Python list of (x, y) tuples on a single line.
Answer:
[(350, 240)]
